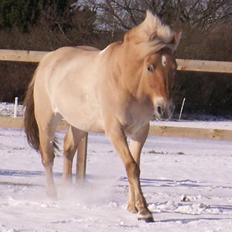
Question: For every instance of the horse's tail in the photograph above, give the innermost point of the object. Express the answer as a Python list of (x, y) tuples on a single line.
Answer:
[(30, 124)]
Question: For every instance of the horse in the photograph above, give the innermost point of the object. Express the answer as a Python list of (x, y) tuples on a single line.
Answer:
[(117, 91)]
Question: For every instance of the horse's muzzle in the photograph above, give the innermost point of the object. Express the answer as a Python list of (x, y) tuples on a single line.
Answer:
[(163, 111)]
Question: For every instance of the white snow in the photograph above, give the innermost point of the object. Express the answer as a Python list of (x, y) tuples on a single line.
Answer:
[(187, 183), (7, 109), (224, 125)]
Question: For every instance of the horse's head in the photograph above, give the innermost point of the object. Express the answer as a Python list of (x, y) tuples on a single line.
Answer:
[(158, 81), (152, 45)]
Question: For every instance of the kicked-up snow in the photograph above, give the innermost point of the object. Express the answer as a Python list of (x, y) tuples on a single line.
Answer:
[(187, 183)]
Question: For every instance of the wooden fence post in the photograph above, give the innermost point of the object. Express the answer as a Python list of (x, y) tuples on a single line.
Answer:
[(81, 159)]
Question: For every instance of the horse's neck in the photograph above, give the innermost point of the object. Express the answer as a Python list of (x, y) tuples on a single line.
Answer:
[(127, 71)]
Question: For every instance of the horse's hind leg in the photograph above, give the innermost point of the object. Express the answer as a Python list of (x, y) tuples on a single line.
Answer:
[(81, 159), (71, 142), (47, 123)]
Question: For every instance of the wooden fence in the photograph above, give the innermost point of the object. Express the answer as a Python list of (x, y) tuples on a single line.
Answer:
[(183, 65)]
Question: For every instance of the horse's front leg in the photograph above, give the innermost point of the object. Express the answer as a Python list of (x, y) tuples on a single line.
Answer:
[(119, 141), (136, 144)]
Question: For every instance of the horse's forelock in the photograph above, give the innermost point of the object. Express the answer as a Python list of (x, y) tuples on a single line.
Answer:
[(153, 26), (152, 35)]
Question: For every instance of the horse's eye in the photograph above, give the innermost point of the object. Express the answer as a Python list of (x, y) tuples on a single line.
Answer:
[(151, 67), (164, 60)]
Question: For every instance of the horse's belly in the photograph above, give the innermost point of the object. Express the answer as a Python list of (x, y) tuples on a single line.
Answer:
[(80, 113), (89, 124)]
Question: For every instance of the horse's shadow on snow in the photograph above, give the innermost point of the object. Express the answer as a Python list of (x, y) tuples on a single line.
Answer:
[(189, 220), (146, 182), (24, 173), (20, 173), (8, 173)]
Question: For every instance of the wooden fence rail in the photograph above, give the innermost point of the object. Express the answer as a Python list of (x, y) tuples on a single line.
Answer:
[(183, 64), (156, 129), (21, 55), (204, 66)]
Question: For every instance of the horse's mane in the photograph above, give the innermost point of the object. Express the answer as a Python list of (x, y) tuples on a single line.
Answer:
[(151, 28)]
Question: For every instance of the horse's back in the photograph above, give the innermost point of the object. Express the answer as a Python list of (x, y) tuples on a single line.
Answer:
[(65, 63), (69, 77)]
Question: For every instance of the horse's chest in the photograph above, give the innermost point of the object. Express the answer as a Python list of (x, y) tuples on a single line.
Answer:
[(136, 118)]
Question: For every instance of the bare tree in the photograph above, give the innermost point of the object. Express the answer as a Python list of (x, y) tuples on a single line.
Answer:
[(123, 14)]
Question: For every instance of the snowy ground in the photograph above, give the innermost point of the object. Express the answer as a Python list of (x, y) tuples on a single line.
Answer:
[(187, 183), (223, 125), (7, 109)]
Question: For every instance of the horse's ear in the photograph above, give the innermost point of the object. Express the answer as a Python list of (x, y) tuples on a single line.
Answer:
[(176, 39), (149, 19)]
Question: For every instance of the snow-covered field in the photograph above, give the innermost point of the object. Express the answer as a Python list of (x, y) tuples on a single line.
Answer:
[(187, 183)]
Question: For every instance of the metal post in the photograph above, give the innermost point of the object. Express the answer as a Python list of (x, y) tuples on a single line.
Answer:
[(15, 107), (182, 107)]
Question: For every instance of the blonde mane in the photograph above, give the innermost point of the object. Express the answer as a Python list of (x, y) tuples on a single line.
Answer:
[(151, 29)]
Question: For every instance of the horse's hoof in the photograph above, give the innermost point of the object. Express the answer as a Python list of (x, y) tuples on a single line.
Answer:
[(132, 209), (52, 194), (147, 218)]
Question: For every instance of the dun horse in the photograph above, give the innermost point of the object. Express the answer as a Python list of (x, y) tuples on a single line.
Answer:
[(117, 91)]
